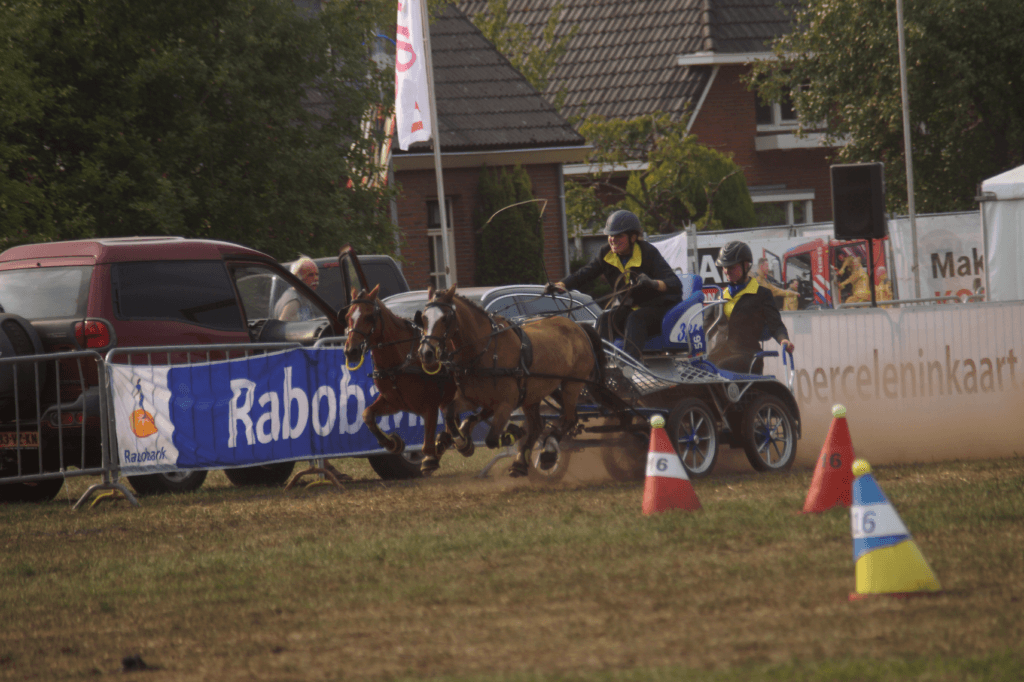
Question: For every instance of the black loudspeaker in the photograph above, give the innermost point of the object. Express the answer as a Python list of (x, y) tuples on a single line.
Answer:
[(858, 200)]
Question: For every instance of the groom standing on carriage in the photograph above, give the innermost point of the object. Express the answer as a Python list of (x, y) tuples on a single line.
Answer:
[(646, 286)]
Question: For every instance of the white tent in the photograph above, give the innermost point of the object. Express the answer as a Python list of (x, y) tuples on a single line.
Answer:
[(1002, 220)]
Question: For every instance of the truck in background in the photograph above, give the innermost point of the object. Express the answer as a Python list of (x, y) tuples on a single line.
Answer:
[(819, 269)]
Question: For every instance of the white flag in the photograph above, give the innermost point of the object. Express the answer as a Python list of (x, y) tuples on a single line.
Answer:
[(412, 101)]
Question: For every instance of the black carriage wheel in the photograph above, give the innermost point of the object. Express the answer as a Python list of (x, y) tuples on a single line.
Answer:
[(767, 435), (694, 436)]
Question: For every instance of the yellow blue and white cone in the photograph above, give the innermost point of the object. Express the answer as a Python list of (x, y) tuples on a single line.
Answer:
[(886, 558)]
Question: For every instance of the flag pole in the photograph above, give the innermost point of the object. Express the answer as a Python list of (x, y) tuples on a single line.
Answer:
[(448, 256)]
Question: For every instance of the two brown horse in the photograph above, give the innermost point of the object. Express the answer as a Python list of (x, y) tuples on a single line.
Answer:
[(402, 384), (500, 367)]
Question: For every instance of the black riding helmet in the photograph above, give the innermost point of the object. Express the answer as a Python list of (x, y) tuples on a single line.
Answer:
[(622, 221), (733, 253)]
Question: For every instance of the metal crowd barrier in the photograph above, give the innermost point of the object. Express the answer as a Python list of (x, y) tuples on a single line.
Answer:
[(187, 355), (41, 437), (973, 298)]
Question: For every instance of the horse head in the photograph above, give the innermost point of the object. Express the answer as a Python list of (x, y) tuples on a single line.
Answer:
[(365, 324), (438, 322)]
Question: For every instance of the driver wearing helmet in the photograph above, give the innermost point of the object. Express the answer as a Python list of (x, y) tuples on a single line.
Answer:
[(638, 271), (750, 308)]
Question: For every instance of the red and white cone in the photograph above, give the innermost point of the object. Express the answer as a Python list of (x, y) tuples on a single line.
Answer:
[(667, 486), (833, 475)]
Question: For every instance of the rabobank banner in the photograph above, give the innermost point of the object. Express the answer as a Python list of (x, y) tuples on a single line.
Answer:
[(292, 405)]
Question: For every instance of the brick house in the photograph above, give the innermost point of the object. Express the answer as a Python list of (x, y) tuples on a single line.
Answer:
[(488, 115), (632, 58)]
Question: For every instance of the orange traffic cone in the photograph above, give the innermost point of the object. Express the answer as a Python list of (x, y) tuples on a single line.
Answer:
[(833, 477), (887, 561), (667, 486)]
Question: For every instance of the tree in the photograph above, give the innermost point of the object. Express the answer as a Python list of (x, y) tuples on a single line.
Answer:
[(533, 56), (511, 241), (682, 179), (232, 119), (840, 64)]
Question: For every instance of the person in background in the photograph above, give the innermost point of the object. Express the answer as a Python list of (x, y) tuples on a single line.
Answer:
[(636, 270), (858, 280), (749, 310), (293, 306), (792, 296), (883, 285)]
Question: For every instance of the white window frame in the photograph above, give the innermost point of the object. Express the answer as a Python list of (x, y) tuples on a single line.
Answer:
[(435, 241), (789, 198)]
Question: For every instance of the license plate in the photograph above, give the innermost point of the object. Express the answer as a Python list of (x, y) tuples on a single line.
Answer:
[(9, 440)]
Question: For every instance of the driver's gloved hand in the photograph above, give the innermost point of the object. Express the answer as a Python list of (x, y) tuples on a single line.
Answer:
[(645, 282), (553, 288)]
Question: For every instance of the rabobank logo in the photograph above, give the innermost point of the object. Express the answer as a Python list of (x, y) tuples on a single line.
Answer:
[(142, 423), (147, 455)]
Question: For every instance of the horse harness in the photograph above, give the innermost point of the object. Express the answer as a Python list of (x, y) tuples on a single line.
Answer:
[(520, 372), (408, 366)]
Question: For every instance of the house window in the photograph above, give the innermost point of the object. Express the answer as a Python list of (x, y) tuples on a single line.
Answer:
[(776, 205), (435, 241), (776, 114)]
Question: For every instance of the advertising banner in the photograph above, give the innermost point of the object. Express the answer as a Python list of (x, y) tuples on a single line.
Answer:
[(920, 383), (950, 254), (293, 405)]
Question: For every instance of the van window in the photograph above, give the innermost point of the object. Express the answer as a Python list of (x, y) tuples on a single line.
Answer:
[(195, 292), (46, 293)]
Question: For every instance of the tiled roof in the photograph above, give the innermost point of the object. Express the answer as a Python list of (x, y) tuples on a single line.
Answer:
[(483, 103), (622, 61)]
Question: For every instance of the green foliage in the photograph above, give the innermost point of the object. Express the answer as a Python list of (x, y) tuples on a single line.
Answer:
[(511, 241), (231, 119), (533, 56), (681, 176), (964, 57)]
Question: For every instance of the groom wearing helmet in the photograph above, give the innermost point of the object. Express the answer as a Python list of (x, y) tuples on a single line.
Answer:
[(638, 271), (750, 309)]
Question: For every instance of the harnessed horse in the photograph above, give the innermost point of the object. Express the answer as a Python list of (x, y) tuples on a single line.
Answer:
[(500, 367), (402, 383)]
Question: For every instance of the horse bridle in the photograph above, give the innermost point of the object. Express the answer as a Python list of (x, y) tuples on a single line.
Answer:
[(376, 317)]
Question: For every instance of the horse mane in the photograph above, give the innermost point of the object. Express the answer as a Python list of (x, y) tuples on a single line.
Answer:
[(479, 308)]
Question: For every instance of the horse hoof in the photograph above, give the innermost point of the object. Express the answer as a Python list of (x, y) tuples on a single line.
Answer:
[(517, 470), (468, 450), (429, 465)]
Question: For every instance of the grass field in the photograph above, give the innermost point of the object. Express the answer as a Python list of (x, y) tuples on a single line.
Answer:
[(455, 578)]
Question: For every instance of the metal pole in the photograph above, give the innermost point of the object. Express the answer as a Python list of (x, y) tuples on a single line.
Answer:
[(906, 144), (449, 258)]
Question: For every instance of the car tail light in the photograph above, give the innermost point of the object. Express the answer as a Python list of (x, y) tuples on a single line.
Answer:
[(67, 419), (92, 334)]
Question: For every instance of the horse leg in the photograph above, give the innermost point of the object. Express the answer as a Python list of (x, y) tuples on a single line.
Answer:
[(380, 407), (566, 422), (431, 458), (534, 423)]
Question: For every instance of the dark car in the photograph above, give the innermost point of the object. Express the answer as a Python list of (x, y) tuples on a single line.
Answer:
[(127, 292), (516, 302)]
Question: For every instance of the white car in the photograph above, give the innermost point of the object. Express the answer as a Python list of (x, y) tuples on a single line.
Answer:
[(515, 302)]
